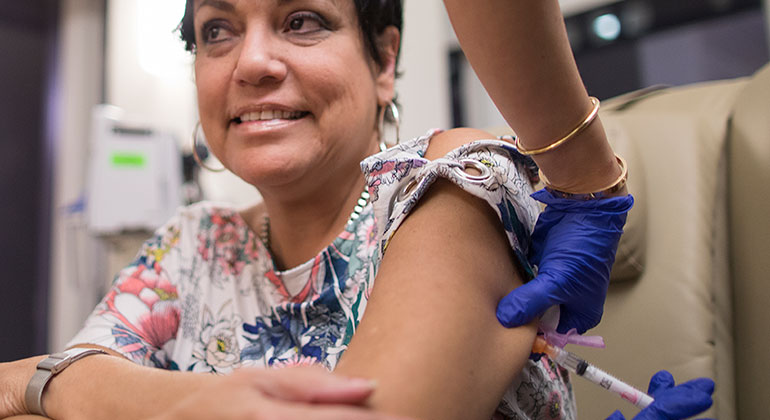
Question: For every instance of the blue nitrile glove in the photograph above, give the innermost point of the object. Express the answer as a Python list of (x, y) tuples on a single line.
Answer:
[(573, 245), (674, 402)]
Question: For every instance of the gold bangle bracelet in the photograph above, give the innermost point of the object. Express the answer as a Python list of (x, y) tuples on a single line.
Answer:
[(616, 185), (572, 134)]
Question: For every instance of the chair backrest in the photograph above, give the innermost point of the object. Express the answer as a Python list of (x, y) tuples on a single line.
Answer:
[(677, 315), (749, 208)]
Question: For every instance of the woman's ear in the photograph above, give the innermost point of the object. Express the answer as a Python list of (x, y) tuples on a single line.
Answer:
[(388, 43)]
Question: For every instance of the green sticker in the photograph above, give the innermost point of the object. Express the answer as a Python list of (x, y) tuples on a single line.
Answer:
[(128, 160)]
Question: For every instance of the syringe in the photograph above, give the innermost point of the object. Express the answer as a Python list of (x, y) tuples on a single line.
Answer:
[(582, 368)]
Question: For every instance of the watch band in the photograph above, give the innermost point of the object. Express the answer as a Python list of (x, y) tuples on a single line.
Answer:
[(47, 369)]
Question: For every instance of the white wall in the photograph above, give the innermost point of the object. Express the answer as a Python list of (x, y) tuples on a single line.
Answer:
[(79, 85), (424, 88), (161, 94), (573, 7)]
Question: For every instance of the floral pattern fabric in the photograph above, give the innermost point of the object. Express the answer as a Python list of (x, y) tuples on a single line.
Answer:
[(203, 294)]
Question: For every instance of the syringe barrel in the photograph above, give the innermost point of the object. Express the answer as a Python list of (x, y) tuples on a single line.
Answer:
[(625, 391)]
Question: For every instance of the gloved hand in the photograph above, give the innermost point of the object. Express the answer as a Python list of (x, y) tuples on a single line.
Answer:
[(674, 402), (573, 246)]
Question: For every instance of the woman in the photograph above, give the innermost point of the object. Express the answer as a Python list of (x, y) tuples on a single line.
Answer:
[(289, 96)]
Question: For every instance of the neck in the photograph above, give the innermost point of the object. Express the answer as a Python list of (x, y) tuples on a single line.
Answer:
[(302, 223)]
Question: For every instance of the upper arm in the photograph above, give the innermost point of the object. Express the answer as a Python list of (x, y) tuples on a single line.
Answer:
[(430, 336)]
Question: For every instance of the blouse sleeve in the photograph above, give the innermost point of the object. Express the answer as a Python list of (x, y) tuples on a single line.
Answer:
[(492, 170), (139, 316)]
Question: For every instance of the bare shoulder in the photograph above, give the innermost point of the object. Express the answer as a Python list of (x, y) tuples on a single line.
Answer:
[(446, 141)]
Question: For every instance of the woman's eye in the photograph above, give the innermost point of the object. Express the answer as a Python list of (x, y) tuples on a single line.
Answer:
[(305, 23), (214, 32)]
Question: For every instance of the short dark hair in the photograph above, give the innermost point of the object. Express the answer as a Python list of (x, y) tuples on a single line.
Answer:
[(373, 17)]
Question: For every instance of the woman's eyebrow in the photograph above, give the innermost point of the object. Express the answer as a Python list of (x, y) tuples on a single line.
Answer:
[(285, 2), (218, 4), (229, 7)]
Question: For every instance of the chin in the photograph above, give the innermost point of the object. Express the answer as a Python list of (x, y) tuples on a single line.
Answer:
[(270, 173)]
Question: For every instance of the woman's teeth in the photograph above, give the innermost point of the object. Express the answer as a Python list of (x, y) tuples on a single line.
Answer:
[(270, 115)]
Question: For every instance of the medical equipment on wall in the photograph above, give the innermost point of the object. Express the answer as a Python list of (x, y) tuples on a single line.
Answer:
[(135, 175)]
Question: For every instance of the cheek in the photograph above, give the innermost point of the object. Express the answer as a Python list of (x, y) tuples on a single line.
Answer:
[(210, 84), (345, 89)]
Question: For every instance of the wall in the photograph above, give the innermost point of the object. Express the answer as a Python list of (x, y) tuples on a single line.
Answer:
[(423, 90), (723, 47), (159, 94), (79, 88), (766, 8), (733, 46)]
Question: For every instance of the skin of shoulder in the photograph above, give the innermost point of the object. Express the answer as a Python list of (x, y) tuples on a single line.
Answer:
[(444, 142), (429, 337)]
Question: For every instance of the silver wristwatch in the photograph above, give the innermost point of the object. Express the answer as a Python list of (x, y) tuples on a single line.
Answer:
[(47, 369)]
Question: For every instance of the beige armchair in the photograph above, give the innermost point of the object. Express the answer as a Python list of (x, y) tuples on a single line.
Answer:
[(691, 286)]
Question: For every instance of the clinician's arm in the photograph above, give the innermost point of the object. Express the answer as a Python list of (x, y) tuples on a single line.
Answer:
[(520, 52), (429, 336)]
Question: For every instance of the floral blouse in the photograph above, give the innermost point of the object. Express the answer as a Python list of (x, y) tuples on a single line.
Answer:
[(203, 294)]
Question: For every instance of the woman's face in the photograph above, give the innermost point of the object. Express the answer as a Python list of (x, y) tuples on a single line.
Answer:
[(286, 90)]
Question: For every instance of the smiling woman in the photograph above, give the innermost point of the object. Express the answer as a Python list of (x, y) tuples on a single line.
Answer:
[(386, 267)]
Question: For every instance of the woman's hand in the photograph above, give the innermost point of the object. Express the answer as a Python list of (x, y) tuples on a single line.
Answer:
[(573, 246), (292, 393), (14, 377), (674, 402)]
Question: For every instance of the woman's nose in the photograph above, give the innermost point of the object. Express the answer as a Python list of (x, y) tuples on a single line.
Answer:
[(260, 60)]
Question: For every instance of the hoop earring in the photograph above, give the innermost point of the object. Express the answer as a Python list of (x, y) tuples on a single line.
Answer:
[(396, 117), (197, 158)]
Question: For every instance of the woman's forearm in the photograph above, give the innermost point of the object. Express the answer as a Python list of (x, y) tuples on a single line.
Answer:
[(520, 52), (101, 386)]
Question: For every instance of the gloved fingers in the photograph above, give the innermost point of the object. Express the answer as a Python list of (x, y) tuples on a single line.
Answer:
[(617, 415), (686, 406), (526, 302), (661, 380), (677, 403), (700, 384)]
